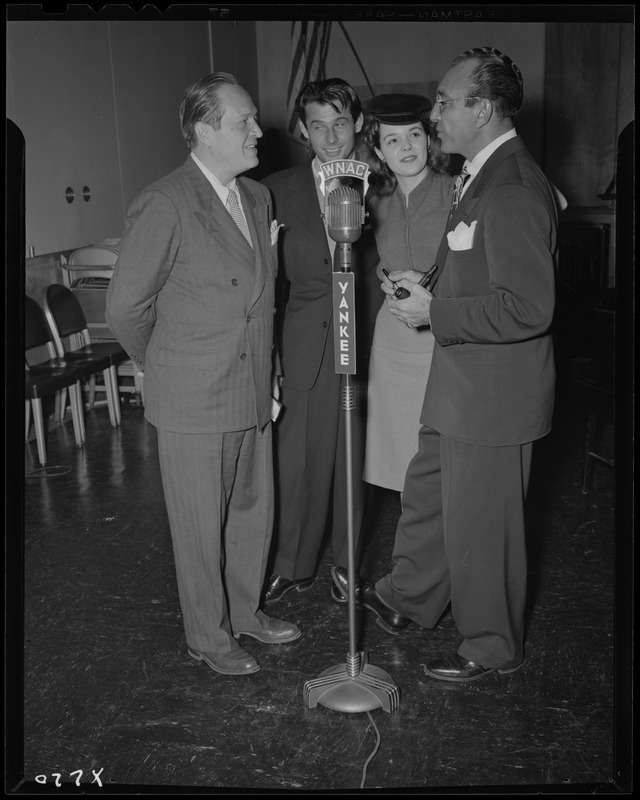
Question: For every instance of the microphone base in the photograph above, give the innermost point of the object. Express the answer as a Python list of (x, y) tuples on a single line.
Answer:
[(340, 690)]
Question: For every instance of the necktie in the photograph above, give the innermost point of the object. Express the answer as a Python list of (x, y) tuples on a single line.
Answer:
[(233, 207), (458, 186)]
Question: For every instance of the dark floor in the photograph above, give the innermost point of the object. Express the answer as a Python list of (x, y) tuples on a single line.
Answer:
[(110, 690)]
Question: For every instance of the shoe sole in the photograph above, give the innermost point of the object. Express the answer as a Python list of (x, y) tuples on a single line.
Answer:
[(267, 640), (475, 677), (337, 596), (300, 587), (385, 627), (336, 590), (200, 657)]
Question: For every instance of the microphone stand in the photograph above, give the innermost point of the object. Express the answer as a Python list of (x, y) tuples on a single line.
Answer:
[(356, 685)]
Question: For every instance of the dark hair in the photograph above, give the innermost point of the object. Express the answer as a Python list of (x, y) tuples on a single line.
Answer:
[(202, 103), (496, 78), (382, 181), (334, 92)]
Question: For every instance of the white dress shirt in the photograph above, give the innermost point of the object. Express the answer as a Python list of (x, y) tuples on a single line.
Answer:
[(220, 189)]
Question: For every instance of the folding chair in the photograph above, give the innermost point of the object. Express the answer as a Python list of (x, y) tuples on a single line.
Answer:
[(68, 324), (47, 377)]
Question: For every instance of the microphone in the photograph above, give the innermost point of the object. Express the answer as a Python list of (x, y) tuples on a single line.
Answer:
[(344, 214)]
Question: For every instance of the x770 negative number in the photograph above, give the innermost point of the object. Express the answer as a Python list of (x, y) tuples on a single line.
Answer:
[(78, 773)]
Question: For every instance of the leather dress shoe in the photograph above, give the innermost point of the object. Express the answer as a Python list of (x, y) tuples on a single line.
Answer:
[(457, 668), (277, 587), (388, 619), (277, 632), (340, 589), (235, 662)]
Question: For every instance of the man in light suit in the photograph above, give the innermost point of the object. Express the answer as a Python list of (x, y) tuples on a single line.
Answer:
[(191, 300), (461, 538), (310, 436)]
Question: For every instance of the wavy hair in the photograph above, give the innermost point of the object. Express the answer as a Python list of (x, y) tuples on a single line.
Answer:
[(382, 181), (334, 92)]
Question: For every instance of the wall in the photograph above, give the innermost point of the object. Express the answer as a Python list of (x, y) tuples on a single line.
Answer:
[(402, 52), (97, 103), (589, 99), (233, 47)]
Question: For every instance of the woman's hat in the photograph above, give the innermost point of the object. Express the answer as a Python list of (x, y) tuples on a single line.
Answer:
[(398, 109)]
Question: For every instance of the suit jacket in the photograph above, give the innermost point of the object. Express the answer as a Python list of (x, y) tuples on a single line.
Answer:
[(306, 266), (192, 303), (492, 375)]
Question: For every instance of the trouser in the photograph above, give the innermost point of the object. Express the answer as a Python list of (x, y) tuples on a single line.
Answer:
[(218, 491), (311, 474), (461, 540)]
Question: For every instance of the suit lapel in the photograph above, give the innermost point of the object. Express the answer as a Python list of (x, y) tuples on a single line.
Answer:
[(259, 224), (304, 203), (483, 178), (214, 217), (472, 196), (216, 220)]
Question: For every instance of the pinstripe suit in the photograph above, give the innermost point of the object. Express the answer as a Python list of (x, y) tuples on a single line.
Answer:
[(192, 303)]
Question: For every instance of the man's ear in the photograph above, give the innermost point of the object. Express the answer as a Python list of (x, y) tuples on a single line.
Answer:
[(304, 130), (203, 132), (484, 111)]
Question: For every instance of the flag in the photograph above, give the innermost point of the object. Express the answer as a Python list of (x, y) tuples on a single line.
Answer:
[(309, 43)]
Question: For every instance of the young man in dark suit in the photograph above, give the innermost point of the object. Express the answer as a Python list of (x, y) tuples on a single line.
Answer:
[(460, 539), (191, 300), (309, 436)]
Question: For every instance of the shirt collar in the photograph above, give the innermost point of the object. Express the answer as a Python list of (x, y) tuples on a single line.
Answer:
[(473, 167), (221, 190)]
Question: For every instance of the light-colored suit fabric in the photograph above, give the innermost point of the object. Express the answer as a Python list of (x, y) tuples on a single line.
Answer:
[(309, 436), (490, 394), (192, 303)]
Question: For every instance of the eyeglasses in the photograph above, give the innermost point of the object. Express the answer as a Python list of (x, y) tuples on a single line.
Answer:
[(442, 103)]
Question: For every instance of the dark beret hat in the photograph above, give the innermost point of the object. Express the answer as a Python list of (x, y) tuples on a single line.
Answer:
[(398, 109)]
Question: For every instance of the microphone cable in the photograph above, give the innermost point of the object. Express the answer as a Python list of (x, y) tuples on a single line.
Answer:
[(375, 750)]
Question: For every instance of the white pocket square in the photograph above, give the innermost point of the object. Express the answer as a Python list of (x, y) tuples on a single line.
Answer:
[(275, 230), (461, 238)]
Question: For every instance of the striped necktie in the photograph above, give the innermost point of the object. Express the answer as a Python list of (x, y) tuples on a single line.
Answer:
[(458, 186), (233, 207)]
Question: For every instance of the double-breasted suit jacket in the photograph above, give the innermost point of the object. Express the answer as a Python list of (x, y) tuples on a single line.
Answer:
[(309, 455), (193, 304)]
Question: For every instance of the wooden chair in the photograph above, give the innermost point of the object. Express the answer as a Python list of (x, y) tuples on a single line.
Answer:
[(45, 378), (72, 341)]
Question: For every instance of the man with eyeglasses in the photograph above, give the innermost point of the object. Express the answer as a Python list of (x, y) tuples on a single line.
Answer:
[(460, 539)]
